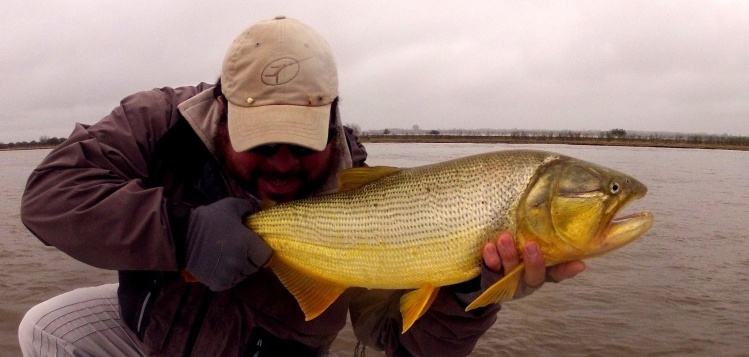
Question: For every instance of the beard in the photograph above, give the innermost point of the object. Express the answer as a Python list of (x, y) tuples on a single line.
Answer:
[(247, 181)]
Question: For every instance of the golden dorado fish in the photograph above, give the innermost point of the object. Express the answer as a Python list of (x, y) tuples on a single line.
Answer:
[(424, 227)]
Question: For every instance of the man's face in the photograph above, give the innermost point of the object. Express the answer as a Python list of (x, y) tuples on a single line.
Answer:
[(281, 176), (281, 173)]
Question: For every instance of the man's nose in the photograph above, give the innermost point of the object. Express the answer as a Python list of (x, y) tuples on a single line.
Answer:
[(283, 160)]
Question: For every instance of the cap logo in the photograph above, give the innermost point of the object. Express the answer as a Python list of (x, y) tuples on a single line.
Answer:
[(280, 71)]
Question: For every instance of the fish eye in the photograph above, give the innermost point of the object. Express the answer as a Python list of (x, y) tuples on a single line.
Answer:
[(615, 187)]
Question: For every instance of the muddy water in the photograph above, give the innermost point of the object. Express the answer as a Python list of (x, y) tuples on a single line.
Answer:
[(682, 289)]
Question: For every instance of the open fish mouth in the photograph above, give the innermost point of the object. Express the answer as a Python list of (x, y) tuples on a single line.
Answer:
[(624, 229), (629, 217)]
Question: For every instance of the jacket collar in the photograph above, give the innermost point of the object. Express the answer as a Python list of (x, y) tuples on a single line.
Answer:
[(202, 113)]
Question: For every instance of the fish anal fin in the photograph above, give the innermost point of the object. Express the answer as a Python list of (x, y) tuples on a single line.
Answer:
[(502, 290), (356, 177), (313, 294), (415, 303)]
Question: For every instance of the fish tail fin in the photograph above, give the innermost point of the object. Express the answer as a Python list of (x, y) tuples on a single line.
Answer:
[(502, 290), (415, 303), (313, 294)]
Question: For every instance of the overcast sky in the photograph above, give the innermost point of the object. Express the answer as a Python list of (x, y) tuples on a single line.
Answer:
[(581, 65)]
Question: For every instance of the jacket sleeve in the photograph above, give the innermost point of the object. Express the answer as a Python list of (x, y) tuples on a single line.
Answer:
[(446, 329), (90, 198)]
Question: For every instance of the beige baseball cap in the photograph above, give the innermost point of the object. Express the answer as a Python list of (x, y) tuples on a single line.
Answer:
[(280, 78)]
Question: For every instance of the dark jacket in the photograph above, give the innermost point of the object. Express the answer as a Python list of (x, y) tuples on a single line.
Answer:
[(117, 195)]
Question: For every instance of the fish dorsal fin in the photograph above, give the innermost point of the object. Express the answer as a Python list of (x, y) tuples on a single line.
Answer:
[(502, 290), (313, 294), (356, 177), (415, 303)]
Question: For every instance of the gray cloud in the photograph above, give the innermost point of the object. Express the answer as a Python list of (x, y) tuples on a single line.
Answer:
[(638, 65)]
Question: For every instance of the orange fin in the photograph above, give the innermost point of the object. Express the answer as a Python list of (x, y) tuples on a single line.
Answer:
[(188, 277), (502, 290), (356, 177), (313, 294), (415, 303)]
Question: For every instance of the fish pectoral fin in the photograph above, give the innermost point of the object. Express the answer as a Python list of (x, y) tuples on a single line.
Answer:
[(415, 303), (356, 177), (502, 290), (313, 294)]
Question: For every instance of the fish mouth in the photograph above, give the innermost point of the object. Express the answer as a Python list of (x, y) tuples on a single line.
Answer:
[(624, 229)]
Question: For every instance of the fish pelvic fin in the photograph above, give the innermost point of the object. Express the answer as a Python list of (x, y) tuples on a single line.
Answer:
[(313, 294), (502, 290), (356, 177), (415, 303)]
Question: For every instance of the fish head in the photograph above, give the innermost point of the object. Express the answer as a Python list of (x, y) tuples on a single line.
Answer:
[(570, 209)]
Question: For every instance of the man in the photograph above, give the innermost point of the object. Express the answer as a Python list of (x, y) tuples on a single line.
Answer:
[(157, 190)]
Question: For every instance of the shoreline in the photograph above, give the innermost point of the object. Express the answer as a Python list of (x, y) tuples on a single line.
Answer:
[(484, 139), (39, 147), (487, 139)]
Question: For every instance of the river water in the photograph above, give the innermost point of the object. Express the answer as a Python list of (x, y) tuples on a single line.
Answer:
[(681, 290)]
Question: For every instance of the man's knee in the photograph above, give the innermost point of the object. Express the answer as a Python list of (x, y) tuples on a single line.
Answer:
[(30, 330), (70, 321)]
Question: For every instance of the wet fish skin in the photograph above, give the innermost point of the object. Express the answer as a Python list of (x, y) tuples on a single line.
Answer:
[(424, 227)]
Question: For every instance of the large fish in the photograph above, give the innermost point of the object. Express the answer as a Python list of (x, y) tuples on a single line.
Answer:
[(422, 228)]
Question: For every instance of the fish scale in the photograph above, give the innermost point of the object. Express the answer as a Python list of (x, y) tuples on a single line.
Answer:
[(405, 229), (422, 228)]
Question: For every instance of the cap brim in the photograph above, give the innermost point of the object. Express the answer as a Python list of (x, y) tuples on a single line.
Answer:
[(305, 126)]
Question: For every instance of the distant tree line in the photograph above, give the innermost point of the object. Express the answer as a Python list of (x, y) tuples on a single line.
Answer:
[(615, 136), (611, 136), (43, 142)]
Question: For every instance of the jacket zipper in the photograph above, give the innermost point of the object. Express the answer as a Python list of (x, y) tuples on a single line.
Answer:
[(143, 311)]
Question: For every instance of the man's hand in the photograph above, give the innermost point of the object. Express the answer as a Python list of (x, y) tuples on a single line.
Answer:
[(503, 255), (221, 250)]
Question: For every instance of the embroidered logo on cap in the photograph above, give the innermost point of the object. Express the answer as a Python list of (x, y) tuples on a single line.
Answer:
[(280, 71)]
